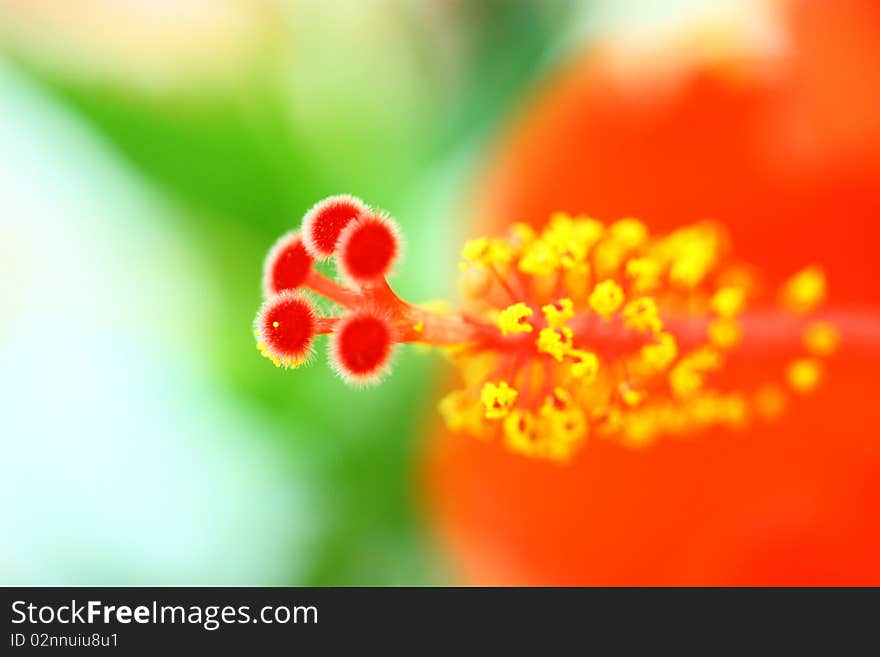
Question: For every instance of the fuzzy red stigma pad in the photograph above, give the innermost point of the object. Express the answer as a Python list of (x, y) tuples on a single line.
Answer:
[(361, 347), (326, 220), (287, 265), (368, 248), (286, 325)]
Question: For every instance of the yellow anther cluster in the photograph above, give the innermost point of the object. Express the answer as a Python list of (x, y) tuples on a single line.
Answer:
[(805, 290), (564, 244), (645, 273), (639, 427), (661, 353), (631, 396), (821, 338), (484, 251), (688, 375), (553, 433), (608, 256), (642, 315), (606, 298), (691, 253), (277, 362), (521, 432), (261, 347), (728, 301), (555, 342), (628, 233), (569, 234), (460, 413), (803, 374), (539, 259), (672, 309), (513, 319), (521, 235), (724, 333), (557, 314), (585, 365), (497, 399)]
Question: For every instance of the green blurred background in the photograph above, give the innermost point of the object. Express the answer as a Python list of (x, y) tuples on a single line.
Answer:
[(150, 153)]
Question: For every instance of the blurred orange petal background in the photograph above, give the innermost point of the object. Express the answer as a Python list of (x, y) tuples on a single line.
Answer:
[(782, 146)]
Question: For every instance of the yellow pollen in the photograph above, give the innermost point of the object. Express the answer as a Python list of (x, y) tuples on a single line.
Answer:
[(486, 252), (704, 358), (539, 259), (641, 315), (647, 384), (451, 409), (562, 237), (521, 432), (821, 338), (629, 233), (497, 398), (687, 377), (689, 271), (728, 301), (461, 412), (521, 235), (474, 249), (275, 324), (804, 291), (557, 314), (685, 381), (692, 252), (563, 422), (608, 256), (555, 342), (724, 333), (587, 231), (645, 273), (660, 355), (803, 374), (630, 395), (606, 298), (585, 366), (264, 352), (513, 319), (640, 428)]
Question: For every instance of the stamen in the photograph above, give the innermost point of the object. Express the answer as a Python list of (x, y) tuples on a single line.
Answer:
[(803, 374), (557, 314), (724, 333), (821, 338), (632, 340), (805, 290), (513, 319), (497, 399), (606, 298)]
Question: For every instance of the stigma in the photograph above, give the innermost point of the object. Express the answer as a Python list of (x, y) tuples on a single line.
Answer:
[(575, 330)]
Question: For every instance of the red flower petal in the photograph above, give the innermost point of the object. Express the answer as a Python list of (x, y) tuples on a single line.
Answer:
[(790, 163)]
